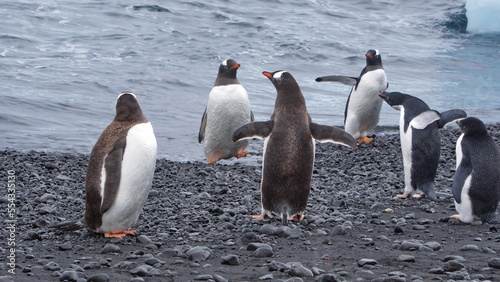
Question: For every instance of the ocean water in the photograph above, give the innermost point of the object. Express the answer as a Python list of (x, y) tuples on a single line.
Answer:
[(63, 63)]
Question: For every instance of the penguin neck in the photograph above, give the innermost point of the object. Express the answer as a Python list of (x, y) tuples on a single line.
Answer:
[(224, 80), (291, 100)]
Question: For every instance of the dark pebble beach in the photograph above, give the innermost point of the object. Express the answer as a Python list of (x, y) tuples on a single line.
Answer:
[(197, 226)]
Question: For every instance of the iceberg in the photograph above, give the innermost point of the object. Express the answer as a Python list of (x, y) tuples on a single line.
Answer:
[(483, 16)]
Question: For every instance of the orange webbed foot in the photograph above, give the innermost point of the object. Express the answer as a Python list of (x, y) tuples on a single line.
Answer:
[(119, 234), (418, 196), (296, 217), (365, 140), (455, 216), (242, 154), (402, 196), (260, 216)]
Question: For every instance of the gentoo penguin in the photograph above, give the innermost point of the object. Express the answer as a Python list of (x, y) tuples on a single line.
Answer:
[(119, 173), (476, 185), (289, 147), (362, 110), (228, 108), (420, 140)]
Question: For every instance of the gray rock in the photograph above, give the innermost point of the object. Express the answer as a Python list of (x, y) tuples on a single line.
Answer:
[(437, 270), (52, 266), (459, 275), (110, 248), (276, 266), (406, 258), (69, 275), (137, 279), (231, 260), (457, 258), (198, 254), (338, 230), (487, 250), (467, 248), (435, 246), (285, 231), (267, 277), (219, 278), (250, 237), (294, 279), (330, 277), (169, 253), (410, 245), (366, 261), (296, 269), (263, 253), (452, 265), (143, 239), (99, 277), (65, 247), (494, 263), (139, 271), (255, 246), (152, 261), (203, 277)]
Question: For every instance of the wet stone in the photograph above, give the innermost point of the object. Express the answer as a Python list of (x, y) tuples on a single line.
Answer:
[(276, 266), (231, 260), (296, 269), (100, 277), (255, 246), (69, 276), (494, 263), (366, 261), (198, 254), (406, 258), (452, 265), (263, 252), (143, 239), (65, 247), (468, 248), (110, 248)]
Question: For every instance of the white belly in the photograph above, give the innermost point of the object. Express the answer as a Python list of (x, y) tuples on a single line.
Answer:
[(228, 109), (137, 173), (406, 145), (363, 110), (464, 209)]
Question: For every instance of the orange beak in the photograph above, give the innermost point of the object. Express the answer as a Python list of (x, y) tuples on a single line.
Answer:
[(267, 74)]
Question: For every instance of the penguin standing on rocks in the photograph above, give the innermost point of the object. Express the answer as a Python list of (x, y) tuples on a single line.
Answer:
[(362, 111), (228, 108), (420, 141), (120, 172), (476, 185), (289, 147)]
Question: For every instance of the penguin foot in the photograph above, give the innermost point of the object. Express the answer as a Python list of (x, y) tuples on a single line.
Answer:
[(120, 234), (418, 196), (402, 196), (296, 217), (455, 216), (260, 216), (242, 154), (365, 140)]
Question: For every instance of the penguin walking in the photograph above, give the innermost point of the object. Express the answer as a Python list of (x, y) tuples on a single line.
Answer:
[(420, 141), (476, 184), (228, 108), (119, 173), (362, 110), (289, 148)]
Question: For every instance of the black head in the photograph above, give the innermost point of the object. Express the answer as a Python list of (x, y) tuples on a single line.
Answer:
[(472, 126), (227, 73), (373, 58), (128, 109), (287, 87), (394, 99)]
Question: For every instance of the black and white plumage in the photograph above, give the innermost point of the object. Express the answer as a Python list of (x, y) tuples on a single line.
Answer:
[(289, 148), (420, 140), (476, 184), (228, 108), (362, 111), (120, 172)]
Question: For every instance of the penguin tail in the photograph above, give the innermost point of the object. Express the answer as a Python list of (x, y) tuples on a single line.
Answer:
[(68, 225), (285, 211)]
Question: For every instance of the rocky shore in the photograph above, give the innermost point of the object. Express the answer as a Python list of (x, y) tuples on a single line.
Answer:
[(197, 226)]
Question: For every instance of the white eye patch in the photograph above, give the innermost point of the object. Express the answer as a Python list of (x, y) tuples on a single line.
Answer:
[(278, 74), (224, 63), (377, 53)]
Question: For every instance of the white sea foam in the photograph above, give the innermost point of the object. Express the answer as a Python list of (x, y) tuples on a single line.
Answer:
[(483, 16)]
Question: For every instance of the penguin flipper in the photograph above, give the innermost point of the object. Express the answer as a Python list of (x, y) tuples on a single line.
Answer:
[(113, 168), (260, 129), (450, 116), (347, 80), (203, 125), (424, 119), (463, 171), (325, 133)]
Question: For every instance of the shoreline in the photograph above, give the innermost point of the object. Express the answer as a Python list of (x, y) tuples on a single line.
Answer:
[(196, 223)]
